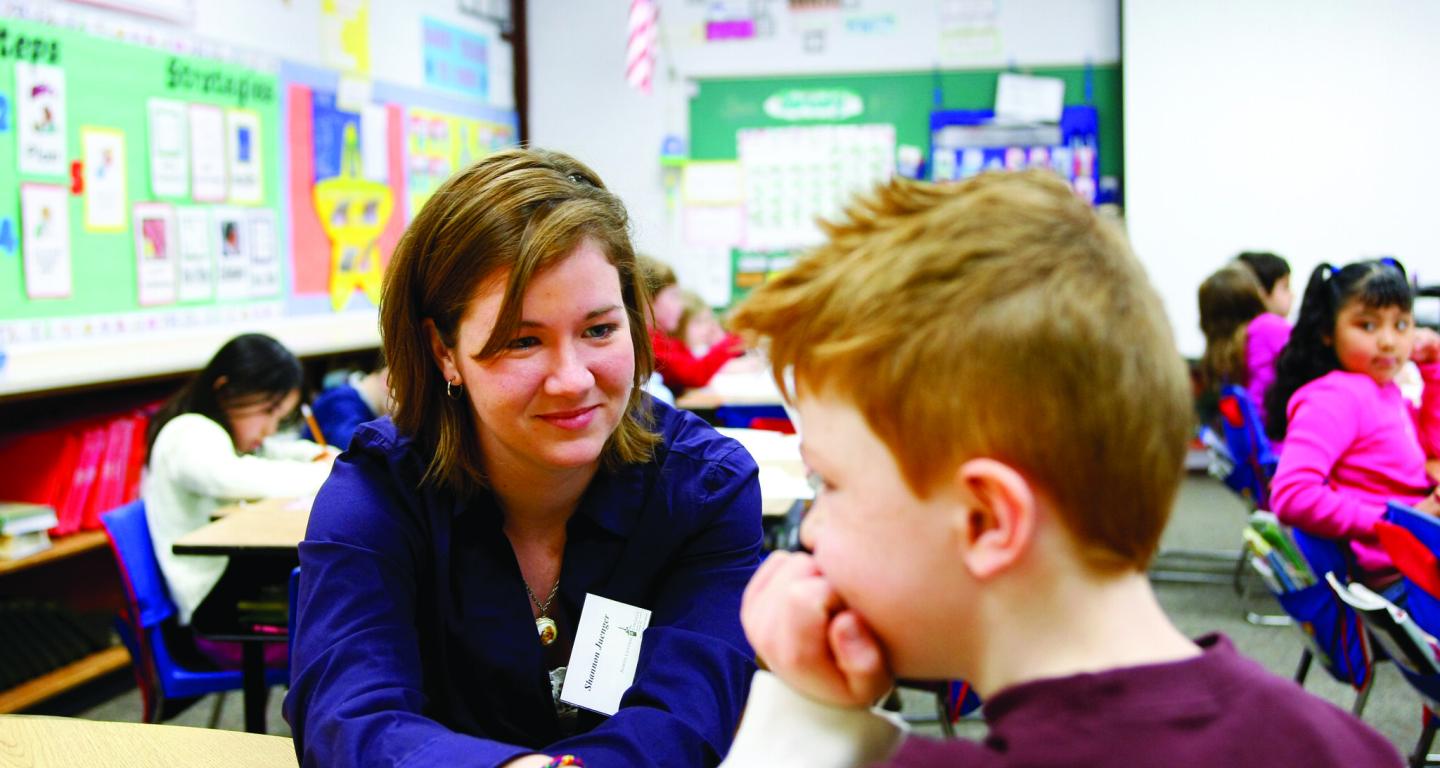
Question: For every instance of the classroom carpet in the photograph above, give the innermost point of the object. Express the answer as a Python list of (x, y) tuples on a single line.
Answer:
[(1207, 517)]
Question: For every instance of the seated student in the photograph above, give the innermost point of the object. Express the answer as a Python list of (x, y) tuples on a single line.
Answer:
[(1352, 440), (449, 557), (698, 327), (999, 439), (674, 361), (1273, 272), (340, 409), (211, 444), (1242, 339)]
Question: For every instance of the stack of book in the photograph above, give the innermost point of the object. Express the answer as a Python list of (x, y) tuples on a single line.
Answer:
[(1275, 557), (24, 528)]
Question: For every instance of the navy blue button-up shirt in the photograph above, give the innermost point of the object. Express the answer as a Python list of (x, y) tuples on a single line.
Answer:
[(416, 645)]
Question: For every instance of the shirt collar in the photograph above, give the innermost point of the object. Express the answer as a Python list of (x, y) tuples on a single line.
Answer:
[(613, 501)]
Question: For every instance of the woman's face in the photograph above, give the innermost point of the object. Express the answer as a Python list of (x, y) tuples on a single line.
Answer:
[(553, 396)]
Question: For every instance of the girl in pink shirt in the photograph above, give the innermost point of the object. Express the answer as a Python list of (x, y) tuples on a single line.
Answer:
[(1242, 338), (1352, 441)]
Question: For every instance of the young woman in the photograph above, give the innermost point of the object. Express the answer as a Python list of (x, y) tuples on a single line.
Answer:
[(450, 555)]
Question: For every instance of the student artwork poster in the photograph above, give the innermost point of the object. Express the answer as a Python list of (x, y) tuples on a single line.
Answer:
[(197, 257), (264, 260), (40, 119), (233, 280), (103, 151), (243, 156), (45, 218), (156, 260), (169, 149), (207, 153)]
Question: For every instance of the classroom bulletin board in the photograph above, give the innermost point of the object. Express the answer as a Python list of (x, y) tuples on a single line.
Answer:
[(84, 214), (144, 190), (768, 155), (725, 106)]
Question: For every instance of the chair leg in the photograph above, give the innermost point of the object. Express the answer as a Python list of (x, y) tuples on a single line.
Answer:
[(1304, 669), (1362, 696), (1421, 756), (215, 713), (1239, 575), (943, 710)]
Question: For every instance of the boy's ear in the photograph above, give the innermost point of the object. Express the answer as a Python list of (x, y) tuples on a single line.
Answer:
[(1000, 510), (442, 354)]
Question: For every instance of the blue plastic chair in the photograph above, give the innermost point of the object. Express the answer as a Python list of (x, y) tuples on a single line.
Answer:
[(1251, 464), (148, 604), (1249, 448), (1423, 605), (1332, 630)]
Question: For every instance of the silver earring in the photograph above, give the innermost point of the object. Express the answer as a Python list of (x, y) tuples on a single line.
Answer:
[(451, 391)]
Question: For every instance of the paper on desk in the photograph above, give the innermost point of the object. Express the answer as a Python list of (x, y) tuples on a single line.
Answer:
[(781, 483), (750, 387), (766, 446)]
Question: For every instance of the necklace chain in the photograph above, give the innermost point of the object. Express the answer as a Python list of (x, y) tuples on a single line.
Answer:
[(545, 606)]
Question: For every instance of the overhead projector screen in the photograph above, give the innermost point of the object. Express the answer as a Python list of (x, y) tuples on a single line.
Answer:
[(1310, 128)]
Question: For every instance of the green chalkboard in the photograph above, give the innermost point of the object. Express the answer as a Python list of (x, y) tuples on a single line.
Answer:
[(723, 106), (107, 85)]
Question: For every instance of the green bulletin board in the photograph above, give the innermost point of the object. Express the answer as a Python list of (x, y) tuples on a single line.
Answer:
[(724, 106), (107, 85)]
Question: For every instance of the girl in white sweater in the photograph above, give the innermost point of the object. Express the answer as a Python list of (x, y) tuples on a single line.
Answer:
[(210, 445)]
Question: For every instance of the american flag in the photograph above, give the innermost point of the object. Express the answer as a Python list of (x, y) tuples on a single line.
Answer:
[(640, 48)]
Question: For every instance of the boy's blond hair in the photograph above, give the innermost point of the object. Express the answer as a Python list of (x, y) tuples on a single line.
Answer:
[(998, 317)]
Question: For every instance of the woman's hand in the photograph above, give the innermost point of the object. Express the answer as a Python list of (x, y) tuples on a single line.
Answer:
[(804, 633), (1426, 347)]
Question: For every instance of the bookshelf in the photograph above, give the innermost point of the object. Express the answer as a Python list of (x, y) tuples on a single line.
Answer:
[(60, 549), (79, 571), (63, 679)]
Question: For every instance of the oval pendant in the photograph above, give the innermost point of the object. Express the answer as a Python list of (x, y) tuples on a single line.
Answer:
[(547, 629)]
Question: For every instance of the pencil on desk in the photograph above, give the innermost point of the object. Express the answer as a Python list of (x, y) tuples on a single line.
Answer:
[(314, 425)]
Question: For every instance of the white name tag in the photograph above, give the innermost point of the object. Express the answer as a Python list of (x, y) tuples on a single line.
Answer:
[(607, 649)]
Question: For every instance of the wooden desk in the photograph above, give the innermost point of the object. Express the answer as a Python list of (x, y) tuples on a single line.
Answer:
[(63, 741), (272, 526), (267, 528), (747, 388)]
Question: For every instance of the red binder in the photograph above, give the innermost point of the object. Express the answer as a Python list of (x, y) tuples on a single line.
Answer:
[(82, 481), (39, 466), (109, 487)]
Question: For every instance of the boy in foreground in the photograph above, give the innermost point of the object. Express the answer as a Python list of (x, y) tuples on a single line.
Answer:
[(991, 398)]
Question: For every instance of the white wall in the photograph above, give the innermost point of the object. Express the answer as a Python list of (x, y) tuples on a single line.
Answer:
[(1306, 127), (580, 103)]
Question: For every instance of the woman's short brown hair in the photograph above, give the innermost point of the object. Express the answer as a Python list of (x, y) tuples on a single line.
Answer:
[(517, 211)]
